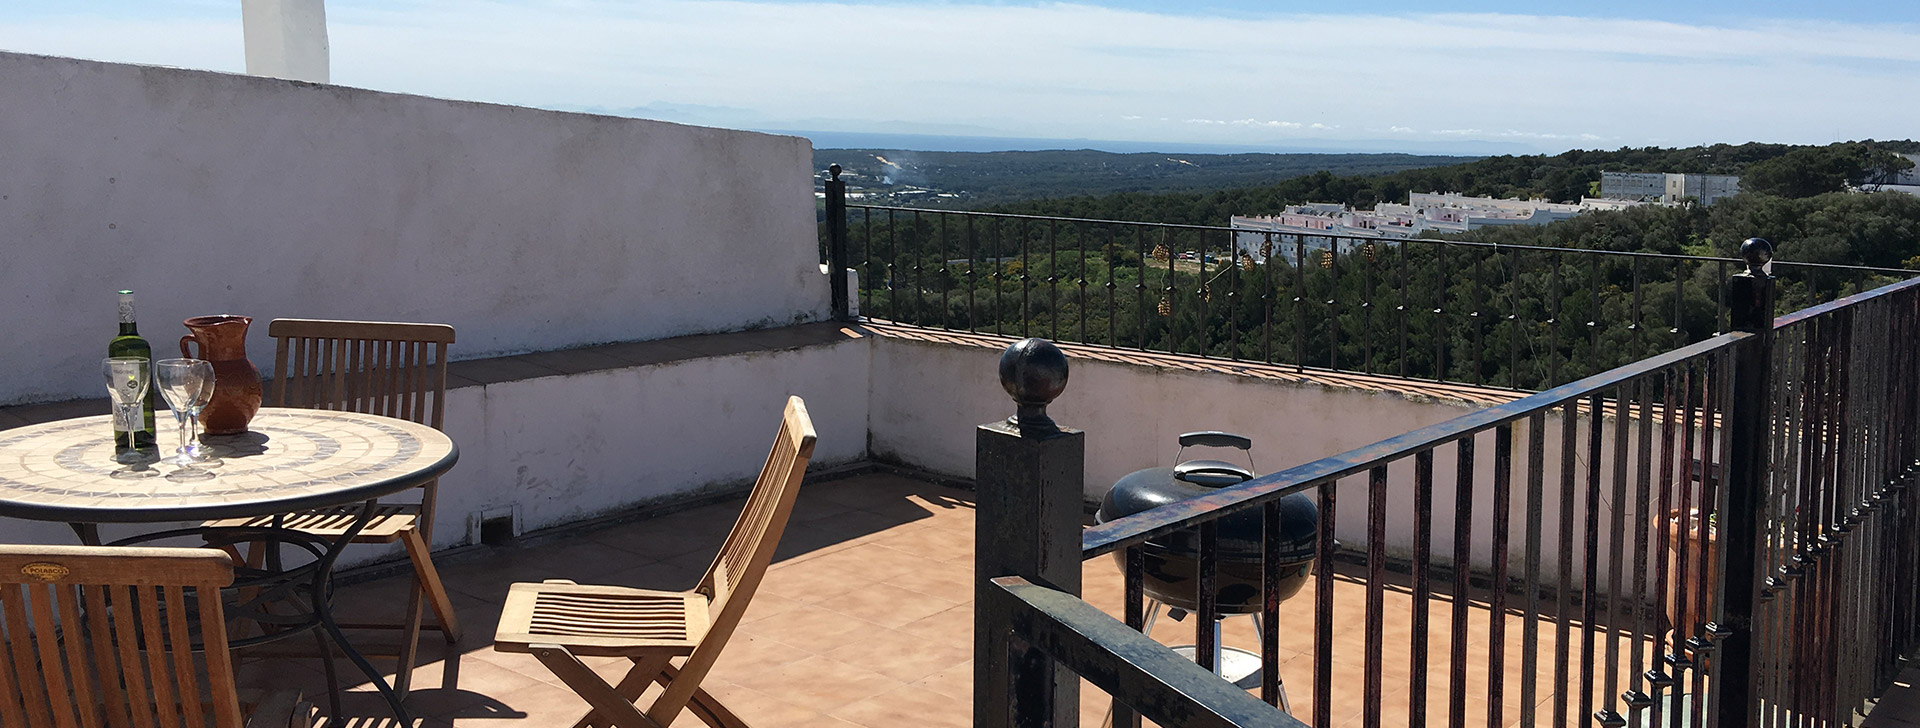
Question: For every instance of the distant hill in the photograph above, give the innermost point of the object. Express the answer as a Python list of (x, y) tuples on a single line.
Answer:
[(975, 179)]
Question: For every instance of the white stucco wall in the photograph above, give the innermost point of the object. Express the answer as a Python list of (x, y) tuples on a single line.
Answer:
[(524, 229), (561, 449), (928, 398)]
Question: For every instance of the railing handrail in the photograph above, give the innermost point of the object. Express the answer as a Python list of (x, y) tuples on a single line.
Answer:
[(1435, 241), (1163, 686), (1119, 533)]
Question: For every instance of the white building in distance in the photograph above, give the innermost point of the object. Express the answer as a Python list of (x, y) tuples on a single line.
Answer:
[(1318, 225), (1667, 188)]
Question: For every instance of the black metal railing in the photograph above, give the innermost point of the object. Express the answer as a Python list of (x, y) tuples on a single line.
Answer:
[(1519, 317), (1728, 529)]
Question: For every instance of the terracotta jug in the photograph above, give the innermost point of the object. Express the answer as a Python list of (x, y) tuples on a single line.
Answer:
[(236, 381)]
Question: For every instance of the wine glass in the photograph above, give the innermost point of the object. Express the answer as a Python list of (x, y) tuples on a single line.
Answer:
[(188, 386), (127, 381)]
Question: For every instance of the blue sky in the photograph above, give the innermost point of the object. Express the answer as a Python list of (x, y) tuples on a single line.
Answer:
[(1522, 76)]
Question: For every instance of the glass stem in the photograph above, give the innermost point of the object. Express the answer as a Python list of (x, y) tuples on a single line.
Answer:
[(185, 439), (193, 422)]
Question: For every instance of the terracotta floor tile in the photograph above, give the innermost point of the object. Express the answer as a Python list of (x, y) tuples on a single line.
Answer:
[(888, 605), (750, 658), (873, 559), (909, 706), (812, 580), (813, 628), (903, 656), (699, 530), (955, 682), (823, 684)]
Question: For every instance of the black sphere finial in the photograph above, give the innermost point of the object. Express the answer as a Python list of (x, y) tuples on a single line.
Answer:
[(1757, 252), (833, 170), (1034, 373)]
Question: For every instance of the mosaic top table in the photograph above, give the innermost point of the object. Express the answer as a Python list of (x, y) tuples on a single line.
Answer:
[(289, 460)]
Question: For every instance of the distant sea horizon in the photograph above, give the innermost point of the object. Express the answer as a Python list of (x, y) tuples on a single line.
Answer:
[(957, 143)]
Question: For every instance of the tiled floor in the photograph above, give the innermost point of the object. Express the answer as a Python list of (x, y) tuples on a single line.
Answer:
[(865, 619)]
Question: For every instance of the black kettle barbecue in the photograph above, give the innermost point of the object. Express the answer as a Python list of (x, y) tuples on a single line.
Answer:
[(1172, 561)]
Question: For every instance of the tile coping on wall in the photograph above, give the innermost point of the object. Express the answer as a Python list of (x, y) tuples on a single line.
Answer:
[(497, 370), (1413, 388)]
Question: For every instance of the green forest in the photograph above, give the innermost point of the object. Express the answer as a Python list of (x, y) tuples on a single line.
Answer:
[(1520, 307)]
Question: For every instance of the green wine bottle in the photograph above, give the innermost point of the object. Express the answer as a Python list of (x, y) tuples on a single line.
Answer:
[(129, 343)]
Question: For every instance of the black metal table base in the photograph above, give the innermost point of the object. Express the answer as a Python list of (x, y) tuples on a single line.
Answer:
[(262, 594)]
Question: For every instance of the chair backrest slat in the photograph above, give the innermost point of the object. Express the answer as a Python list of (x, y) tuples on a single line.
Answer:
[(737, 570), (103, 637), (104, 659), (374, 367)]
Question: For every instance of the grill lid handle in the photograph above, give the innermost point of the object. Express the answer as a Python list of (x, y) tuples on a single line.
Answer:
[(1215, 438)]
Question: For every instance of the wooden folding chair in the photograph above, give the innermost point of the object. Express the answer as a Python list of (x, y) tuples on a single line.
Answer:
[(393, 369), (102, 636), (560, 621)]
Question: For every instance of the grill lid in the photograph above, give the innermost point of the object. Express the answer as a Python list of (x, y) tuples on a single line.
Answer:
[(1239, 534)]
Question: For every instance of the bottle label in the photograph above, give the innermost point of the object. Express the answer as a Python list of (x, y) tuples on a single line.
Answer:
[(126, 307), (128, 419)]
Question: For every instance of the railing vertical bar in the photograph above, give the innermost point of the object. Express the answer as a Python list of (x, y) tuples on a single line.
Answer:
[(1134, 584), (1207, 627), (1026, 276), (1536, 512), (1203, 290), (1376, 593), (1270, 606), (1589, 598), (1553, 324), (1594, 360), (1639, 346), (1678, 656), (1053, 278), (1497, 595), (973, 265), (1232, 260), (1678, 327), (1563, 614), (1616, 556), (1333, 303), (866, 259), (1711, 469), (1171, 291), (1366, 305), (1514, 331), (1462, 566), (913, 267), (1656, 675), (1323, 608), (1440, 332), (893, 264), (1140, 288), (999, 275), (1113, 289), (946, 278), (1080, 279), (1478, 321), (1422, 586), (1404, 309), (1267, 286), (1299, 303), (1644, 485)]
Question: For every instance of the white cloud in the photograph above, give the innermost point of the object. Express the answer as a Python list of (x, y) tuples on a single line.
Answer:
[(1067, 70)]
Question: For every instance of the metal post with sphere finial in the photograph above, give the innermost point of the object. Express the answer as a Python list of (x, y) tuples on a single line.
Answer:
[(836, 192), (1750, 298), (1029, 474)]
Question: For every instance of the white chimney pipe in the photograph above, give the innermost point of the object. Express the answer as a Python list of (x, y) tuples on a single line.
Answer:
[(286, 38)]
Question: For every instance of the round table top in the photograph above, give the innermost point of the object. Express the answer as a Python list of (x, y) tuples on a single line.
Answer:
[(288, 460)]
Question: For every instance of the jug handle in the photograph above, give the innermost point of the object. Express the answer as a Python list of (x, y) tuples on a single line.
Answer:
[(183, 346)]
